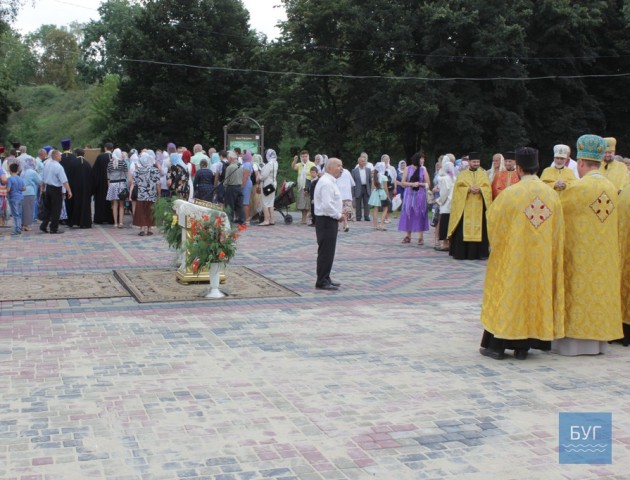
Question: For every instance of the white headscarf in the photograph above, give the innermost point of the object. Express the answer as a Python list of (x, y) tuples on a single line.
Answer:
[(116, 157), (271, 155)]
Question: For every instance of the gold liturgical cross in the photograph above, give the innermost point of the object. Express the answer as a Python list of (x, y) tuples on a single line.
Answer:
[(537, 212), (602, 207)]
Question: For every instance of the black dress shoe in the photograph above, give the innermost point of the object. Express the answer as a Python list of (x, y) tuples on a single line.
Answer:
[(367, 219), (328, 286), (520, 354), (486, 352), (335, 284), (57, 231), (44, 230)]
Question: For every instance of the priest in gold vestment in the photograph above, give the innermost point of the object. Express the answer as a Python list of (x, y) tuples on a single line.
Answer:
[(612, 169), (505, 178), (624, 244), (558, 176), (592, 283), (472, 195), (523, 298)]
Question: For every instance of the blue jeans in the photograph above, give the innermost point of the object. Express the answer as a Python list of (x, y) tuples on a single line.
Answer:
[(16, 211)]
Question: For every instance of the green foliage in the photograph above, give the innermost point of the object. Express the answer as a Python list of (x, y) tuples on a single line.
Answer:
[(103, 104), (49, 114), (101, 46), (212, 241), (57, 54), (166, 221)]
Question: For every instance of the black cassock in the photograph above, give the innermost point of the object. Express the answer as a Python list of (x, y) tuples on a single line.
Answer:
[(102, 207), (79, 207)]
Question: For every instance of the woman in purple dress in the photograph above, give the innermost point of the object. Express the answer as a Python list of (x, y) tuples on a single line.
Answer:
[(414, 214)]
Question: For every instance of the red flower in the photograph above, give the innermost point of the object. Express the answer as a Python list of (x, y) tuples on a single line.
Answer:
[(221, 255), (242, 227), (205, 218), (195, 265), (218, 222), (235, 236)]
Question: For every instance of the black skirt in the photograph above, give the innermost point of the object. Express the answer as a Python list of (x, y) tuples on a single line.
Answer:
[(443, 226)]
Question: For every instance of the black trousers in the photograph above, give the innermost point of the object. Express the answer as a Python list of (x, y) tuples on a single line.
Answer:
[(361, 204), (234, 203), (326, 231), (52, 200)]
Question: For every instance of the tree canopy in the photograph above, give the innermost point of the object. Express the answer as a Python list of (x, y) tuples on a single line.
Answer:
[(345, 76)]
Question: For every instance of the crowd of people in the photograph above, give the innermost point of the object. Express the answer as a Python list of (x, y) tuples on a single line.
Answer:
[(558, 273), (61, 187)]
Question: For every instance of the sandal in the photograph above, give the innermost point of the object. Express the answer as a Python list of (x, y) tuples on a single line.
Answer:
[(149, 233), (142, 234), (406, 240), (421, 241)]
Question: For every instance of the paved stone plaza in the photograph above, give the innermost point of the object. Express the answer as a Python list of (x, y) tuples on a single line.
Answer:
[(380, 380)]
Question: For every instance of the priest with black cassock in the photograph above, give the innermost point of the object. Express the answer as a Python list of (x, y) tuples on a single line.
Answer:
[(102, 207), (82, 194), (72, 167)]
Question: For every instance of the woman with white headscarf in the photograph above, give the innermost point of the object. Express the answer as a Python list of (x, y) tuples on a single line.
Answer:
[(31, 180), (116, 184), (147, 178), (255, 202), (268, 178), (446, 180)]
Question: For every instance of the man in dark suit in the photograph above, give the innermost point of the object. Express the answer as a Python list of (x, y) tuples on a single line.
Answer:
[(362, 176)]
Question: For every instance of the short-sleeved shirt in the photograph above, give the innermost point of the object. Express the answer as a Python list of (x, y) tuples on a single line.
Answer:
[(16, 184), (147, 179), (232, 177), (54, 174)]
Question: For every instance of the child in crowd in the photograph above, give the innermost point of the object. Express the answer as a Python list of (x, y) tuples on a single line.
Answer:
[(379, 198), (15, 193), (310, 184)]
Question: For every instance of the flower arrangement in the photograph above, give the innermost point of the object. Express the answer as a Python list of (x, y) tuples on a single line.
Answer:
[(166, 220), (212, 241)]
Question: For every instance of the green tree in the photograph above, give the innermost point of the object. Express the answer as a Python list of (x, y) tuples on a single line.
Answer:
[(57, 54), (8, 11), (101, 46), (166, 92), (103, 105)]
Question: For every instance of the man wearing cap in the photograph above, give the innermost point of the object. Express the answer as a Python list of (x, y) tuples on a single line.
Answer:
[(505, 178), (591, 256), (612, 169), (558, 176), (53, 180), (472, 195), (523, 300)]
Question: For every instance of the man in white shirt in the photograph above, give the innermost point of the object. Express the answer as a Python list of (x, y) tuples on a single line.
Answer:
[(328, 214)]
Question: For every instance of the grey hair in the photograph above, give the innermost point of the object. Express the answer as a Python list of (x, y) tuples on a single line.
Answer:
[(232, 154)]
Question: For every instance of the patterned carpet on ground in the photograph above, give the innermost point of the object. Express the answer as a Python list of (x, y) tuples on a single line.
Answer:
[(15, 288), (161, 285)]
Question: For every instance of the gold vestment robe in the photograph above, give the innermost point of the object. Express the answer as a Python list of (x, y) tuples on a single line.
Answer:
[(624, 244), (592, 284), (551, 175), (616, 172), (502, 180), (523, 295), (470, 205)]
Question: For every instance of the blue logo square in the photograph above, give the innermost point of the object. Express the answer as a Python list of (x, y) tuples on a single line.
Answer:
[(585, 438)]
